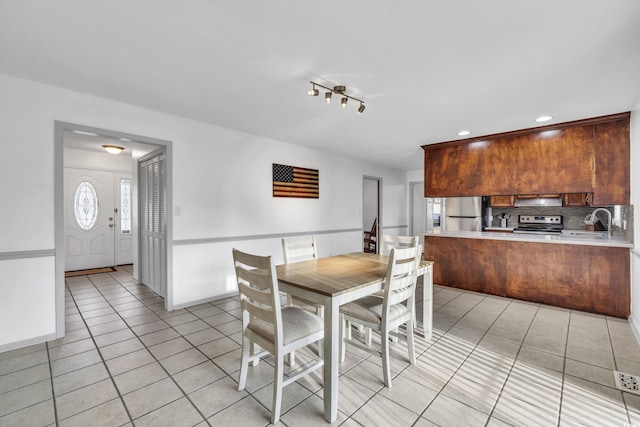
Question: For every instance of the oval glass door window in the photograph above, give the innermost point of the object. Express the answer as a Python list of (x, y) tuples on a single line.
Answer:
[(86, 205)]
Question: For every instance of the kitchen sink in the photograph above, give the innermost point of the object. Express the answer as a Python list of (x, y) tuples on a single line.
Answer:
[(585, 234)]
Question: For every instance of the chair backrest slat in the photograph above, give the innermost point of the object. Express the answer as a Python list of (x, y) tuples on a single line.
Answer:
[(388, 242), (258, 288), (299, 248), (402, 276)]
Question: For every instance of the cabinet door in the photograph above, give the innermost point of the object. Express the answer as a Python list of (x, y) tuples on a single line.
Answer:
[(502, 201), (556, 161), (454, 170), (576, 199), (612, 174)]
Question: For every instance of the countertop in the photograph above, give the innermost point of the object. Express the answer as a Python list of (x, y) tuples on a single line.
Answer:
[(579, 237)]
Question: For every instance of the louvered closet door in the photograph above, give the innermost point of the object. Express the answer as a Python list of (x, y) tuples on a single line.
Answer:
[(153, 210)]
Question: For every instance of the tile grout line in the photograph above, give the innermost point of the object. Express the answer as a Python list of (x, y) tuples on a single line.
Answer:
[(615, 364), (466, 357), (512, 365), (53, 392), (146, 348), (100, 354), (564, 368)]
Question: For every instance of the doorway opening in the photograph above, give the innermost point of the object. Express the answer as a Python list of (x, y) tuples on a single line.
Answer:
[(371, 218), (97, 207)]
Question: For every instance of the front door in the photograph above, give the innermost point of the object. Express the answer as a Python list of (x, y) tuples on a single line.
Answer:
[(89, 219)]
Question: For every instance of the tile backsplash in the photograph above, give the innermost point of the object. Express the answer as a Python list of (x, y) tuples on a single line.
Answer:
[(573, 217)]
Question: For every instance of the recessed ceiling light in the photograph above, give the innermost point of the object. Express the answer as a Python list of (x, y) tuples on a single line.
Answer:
[(464, 133), (544, 118)]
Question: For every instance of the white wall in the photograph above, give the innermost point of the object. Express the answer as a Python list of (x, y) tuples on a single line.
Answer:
[(221, 182), (635, 201)]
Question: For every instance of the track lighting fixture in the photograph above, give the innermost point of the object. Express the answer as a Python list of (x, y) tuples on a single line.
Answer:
[(339, 90)]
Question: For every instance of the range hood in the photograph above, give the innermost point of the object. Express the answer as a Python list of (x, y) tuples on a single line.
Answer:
[(538, 200)]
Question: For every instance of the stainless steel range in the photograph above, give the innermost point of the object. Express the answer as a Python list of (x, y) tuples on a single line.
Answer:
[(539, 224)]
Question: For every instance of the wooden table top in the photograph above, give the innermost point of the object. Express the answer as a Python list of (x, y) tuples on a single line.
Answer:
[(335, 275)]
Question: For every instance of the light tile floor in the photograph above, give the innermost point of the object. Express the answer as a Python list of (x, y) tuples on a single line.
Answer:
[(492, 362)]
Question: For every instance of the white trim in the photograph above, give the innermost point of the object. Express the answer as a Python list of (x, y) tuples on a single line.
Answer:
[(205, 300), (26, 343), (42, 253), (208, 240)]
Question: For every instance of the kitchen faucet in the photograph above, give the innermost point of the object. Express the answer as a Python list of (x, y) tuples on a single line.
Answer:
[(593, 218)]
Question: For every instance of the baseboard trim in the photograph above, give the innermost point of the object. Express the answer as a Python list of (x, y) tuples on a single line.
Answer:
[(635, 328), (204, 300), (26, 343)]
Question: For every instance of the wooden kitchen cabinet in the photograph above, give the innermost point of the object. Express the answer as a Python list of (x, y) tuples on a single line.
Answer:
[(613, 152), (577, 199), (586, 156), (589, 278), (502, 201)]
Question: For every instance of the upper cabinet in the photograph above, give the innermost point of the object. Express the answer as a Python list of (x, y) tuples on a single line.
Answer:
[(587, 156)]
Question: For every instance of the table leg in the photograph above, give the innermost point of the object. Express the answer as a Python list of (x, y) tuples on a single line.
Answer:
[(331, 359), (427, 304)]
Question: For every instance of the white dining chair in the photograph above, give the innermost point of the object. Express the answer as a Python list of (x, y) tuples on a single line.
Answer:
[(296, 249), (386, 315), (388, 242), (276, 330)]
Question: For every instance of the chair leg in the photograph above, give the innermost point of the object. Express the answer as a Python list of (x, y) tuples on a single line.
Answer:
[(244, 364), (369, 336), (343, 330), (252, 351), (277, 388), (410, 343), (386, 364), (292, 358)]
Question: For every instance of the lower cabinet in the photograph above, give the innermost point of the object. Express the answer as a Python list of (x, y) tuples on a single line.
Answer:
[(594, 279)]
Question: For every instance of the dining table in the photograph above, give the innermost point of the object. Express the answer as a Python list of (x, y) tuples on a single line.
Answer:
[(336, 280)]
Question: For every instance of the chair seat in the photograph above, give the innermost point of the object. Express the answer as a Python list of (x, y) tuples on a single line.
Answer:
[(297, 323), (369, 309)]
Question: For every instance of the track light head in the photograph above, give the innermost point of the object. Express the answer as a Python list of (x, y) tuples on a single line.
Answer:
[(361, 108), (344, 102), (327, 97), (313, 91)]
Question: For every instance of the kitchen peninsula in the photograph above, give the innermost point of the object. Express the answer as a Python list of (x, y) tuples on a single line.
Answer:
[(582, 271)]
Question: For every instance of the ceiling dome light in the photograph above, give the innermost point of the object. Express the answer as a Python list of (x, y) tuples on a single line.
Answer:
[(327, 97), (344, 102), (113, 149), (361, 108), (464, 133), (543, 119)]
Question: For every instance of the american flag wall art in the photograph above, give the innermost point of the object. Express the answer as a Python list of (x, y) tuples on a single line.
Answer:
[(292, 181)]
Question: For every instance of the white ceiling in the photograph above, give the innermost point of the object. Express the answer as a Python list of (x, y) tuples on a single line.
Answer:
[(426, 69)]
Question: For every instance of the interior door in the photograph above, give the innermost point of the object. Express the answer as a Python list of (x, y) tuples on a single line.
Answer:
[(89, 219), (153, 219)]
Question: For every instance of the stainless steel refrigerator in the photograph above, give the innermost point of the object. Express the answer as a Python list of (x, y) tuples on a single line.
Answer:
[(463, 214)]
